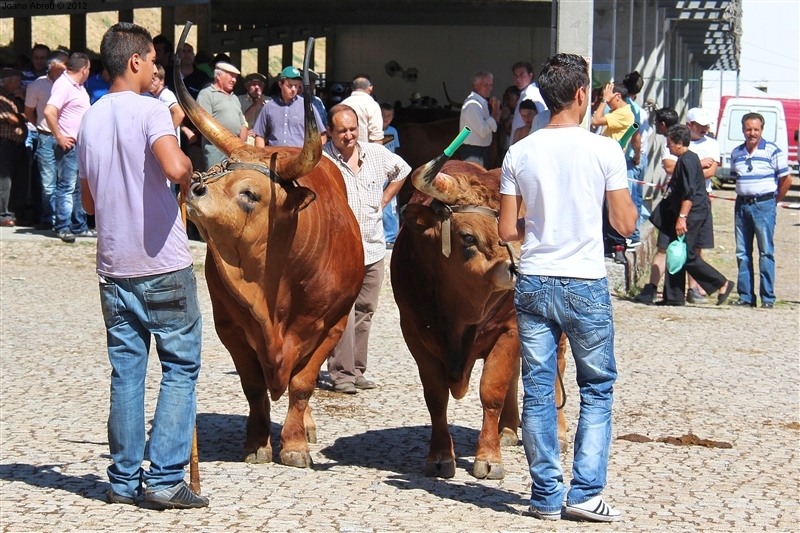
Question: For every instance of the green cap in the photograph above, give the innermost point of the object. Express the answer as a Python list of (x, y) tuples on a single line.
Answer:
[(291, 73)]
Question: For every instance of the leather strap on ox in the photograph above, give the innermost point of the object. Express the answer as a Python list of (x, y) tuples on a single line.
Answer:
[(220, 170), (442, 209)]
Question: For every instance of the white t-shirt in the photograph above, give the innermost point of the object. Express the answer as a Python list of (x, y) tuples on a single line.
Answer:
[(706, 147), (531, 92), (562, 176)]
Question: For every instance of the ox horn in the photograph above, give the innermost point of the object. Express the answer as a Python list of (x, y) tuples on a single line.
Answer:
[(212, 130), (437, 184), (292, 168)]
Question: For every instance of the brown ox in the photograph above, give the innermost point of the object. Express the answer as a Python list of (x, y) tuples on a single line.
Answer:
[(280, 286), (459, 308)]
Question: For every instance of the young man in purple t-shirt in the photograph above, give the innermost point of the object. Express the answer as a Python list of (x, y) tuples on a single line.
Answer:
[(127, 150)]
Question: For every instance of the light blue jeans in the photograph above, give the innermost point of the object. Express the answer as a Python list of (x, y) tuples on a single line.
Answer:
[(546, 307), (637, 172), (69, 213), (166, 307), (755, 220), (46, 160), (390, 222)]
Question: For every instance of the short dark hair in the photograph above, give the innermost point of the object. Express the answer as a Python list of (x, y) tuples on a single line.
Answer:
[(527, 104), (522, 64), (753, 116), (634, 82), (77, 61), (40, 46), (560, 79), (119, 43), (160, 39), (679, 134), (386, 106), (667, 115), (338, 108), (619, 88)]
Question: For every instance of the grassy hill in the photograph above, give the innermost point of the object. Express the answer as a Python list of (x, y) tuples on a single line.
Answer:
[(54, 32)]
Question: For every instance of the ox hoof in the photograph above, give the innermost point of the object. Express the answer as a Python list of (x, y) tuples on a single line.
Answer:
[(437, 469), (260, 456), (508, 437), (311, 436), (298, 459), (487, 470)]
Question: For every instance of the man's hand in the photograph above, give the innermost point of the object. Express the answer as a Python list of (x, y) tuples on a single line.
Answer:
[(65, 142), (494, 108), (608, 91)]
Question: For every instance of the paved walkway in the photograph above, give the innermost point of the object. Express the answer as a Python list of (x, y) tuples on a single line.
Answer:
[(721, 373)]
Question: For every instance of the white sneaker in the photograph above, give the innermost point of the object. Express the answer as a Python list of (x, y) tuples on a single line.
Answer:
[(541, 515), (595, 509)]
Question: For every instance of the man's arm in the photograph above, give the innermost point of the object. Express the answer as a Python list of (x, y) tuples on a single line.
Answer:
[(243, 133), (391, 191), (622, 214), (669, 165), (784, 184), (709, 167), (636, 144), (176, 166), (87, 200), (51, 116), (474, 119), (598, 117), (30, 114), (510, 226), (177, 114)]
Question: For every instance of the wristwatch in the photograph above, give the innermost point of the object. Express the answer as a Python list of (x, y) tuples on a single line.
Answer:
[(682, 215)]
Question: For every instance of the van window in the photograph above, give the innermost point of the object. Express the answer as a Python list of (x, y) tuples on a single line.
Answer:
[(735, 124)]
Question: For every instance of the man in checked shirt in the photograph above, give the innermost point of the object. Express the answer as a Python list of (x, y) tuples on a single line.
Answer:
[(365, 168)]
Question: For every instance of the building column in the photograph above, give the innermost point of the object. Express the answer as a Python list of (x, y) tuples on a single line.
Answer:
[(125, 15), (77, 33), (168, 24), (603, 39), (23, 36), (622, 42)]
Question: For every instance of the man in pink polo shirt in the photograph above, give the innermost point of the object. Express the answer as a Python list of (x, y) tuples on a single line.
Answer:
[(64, 110)]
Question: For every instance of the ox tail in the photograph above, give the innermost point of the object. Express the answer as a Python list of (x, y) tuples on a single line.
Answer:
[(212, 130), (292, 168)]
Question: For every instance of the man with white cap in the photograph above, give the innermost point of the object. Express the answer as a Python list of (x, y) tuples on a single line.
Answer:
[(220, 102), (706, 148), (282, 121)]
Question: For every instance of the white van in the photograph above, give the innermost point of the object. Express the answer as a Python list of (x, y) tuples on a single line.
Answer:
[(729, 130)]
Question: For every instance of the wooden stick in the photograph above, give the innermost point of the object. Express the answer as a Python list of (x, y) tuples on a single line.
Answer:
[(194, 462), (194, 466)]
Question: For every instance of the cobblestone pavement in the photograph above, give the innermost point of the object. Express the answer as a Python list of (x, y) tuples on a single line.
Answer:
[(720, 373)]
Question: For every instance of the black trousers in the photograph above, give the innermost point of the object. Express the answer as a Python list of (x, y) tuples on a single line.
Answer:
[(706, 276)]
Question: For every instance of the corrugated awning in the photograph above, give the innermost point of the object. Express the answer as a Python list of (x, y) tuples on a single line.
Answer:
[(711, 29)]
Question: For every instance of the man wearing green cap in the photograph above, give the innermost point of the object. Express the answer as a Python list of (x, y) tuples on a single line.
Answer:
[(282, 121)]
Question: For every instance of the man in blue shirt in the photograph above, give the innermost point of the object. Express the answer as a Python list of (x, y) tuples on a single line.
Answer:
[(762, 180)]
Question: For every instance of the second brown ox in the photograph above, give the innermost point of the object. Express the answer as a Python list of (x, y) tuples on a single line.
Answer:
[(456, 306), (277, 222)]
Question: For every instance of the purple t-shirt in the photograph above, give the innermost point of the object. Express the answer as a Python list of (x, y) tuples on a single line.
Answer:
[(281, 124), (139, 228)]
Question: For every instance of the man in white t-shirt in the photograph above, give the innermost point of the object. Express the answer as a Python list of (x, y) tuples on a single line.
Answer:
[(523, 79), (563, 173)]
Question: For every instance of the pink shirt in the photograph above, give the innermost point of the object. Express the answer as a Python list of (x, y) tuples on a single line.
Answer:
[(72, 101)]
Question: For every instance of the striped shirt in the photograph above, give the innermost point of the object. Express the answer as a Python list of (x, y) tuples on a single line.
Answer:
[(365, 191), (9, 106), (757, 173)]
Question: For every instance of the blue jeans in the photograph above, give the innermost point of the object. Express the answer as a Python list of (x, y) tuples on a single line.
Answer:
[(390, 223), (69, 213), (637, 173), (546, 307), (46, 160), (755, 220), (166, 307)]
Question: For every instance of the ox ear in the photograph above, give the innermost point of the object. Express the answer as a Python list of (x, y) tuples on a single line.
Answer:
[(298, 198), (420, 217)]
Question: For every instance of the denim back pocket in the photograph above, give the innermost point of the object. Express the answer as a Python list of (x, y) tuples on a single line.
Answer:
[(166, 309)]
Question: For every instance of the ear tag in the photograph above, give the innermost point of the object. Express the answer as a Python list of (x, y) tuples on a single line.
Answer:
[(446, 237)]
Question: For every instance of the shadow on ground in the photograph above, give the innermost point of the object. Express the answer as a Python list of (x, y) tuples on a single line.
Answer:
[(403, 450)]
